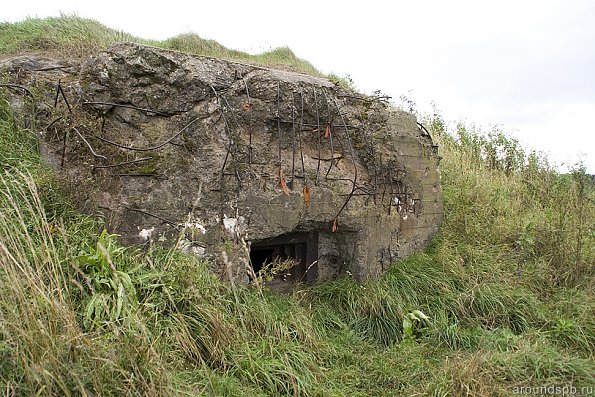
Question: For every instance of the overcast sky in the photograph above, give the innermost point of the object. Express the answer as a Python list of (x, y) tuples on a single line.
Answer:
[(526, 65)]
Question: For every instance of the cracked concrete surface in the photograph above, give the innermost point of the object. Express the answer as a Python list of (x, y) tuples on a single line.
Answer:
[(156, 140)]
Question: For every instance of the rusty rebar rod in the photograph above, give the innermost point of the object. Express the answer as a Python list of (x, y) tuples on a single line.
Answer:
[(330, 135), (423, 128), (381, 98), (349, 142), (383, 178), (149, 149), (293, 138), (123, 163), (317, 134), (49, 68), (233, 147), (300, 128), (170, 222), (229, 137), (279, 122), (17, 86), (50, 125), (390, 201), (65, 142), (122, 105), (64, 97), (250, 122), (56, 96), (300, 135), (313, 126), (328, 159)]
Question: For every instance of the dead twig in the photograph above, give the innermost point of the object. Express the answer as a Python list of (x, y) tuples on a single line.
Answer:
[(88, 145)]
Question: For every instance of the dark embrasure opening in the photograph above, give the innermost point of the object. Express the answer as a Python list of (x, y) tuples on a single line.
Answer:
[(302, 248)]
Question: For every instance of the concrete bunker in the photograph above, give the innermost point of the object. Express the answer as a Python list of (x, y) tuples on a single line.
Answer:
[(232, 155)]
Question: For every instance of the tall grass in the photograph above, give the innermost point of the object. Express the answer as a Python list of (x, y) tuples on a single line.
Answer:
[(47, 350), (69, 326), (505, 199), (507, 286), (79, 314)]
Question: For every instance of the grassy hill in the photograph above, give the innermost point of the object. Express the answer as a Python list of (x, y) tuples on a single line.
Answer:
[(502, 299)]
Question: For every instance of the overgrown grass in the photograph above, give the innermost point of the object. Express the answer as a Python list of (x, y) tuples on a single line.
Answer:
[(507, 286), (71, 37)]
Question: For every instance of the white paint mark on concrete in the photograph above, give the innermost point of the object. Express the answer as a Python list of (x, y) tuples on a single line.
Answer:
[(189, 247), (195, 224), (233, 225), (198, 251), (146, 234)]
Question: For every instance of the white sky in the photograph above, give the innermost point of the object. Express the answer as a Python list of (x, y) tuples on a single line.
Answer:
[(528, 65)]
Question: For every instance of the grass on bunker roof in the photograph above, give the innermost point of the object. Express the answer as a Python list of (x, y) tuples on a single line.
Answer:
[(72, 37)]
